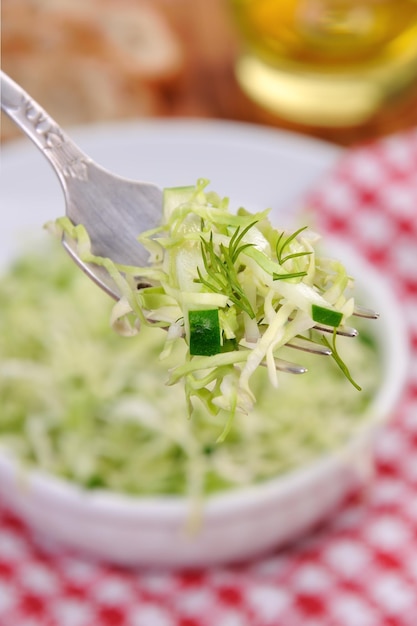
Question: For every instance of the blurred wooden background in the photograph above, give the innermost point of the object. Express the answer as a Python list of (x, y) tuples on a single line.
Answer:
[(97, 60)]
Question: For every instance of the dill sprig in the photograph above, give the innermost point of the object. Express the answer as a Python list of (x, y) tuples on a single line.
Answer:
[(281, 245), (222, 275), (338, 359)]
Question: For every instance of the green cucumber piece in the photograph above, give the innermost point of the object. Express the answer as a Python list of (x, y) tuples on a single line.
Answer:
[(204, 332), (322, 315)]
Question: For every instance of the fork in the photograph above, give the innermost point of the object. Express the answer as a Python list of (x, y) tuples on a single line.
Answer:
[(107, 205)]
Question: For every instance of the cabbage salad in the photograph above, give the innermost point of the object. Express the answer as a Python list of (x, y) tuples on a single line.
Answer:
[(231, 287), (79, 401)]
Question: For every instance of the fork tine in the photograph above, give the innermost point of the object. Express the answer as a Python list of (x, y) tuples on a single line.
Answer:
[(369, 314), (289, 367), (308, 345), (343, 331)]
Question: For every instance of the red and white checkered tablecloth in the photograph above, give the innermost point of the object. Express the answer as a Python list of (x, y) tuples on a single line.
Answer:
[(360, 569)]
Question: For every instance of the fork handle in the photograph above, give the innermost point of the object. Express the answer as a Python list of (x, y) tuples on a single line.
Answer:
[(65, 156)]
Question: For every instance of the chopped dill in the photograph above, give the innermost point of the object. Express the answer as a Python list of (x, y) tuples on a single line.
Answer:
[(222, 274)]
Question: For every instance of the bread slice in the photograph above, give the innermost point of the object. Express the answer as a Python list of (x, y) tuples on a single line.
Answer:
[(90, 61)]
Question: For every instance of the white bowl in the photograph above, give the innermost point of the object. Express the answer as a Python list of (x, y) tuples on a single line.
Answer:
[(236, 525), (240, 524)]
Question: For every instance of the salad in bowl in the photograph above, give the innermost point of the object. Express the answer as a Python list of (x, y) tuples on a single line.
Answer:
[(185, 438)]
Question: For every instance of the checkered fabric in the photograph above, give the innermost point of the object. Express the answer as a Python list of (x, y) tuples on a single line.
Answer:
[(360, 569)]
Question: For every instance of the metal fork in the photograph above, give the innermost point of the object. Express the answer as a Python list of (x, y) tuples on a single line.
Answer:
[(114, 210)]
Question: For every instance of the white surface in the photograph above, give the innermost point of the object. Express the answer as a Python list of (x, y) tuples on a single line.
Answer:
[(255, 167)]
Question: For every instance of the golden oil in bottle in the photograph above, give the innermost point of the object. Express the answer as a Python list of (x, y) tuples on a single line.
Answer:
[(327, 62)]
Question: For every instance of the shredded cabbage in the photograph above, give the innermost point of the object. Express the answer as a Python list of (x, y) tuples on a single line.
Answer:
[(267, 287), (81, 402)]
